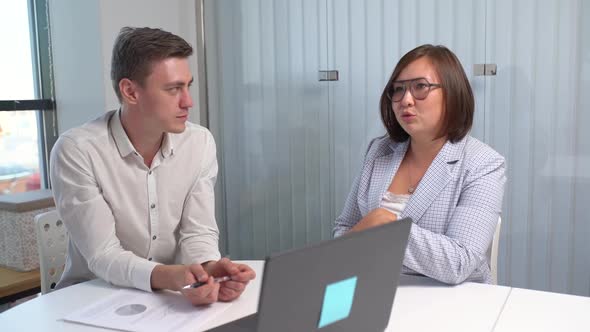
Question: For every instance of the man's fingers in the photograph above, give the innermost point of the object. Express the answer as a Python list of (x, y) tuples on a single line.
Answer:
[(213, 295), (246, 273), (198, 271), (226, 294), (228, 266), (234, 285), (201, 291), (205, 294), (229, 290)]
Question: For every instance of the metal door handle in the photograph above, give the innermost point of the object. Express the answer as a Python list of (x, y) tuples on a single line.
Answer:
[(484, 69), (328, 75)]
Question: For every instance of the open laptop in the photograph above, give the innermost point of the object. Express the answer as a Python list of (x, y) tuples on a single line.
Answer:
[(344, 284)]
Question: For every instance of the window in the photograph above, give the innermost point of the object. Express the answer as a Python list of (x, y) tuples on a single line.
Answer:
[(27, 112)]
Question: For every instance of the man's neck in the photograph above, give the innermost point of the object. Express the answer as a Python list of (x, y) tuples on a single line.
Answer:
[(145, 141)]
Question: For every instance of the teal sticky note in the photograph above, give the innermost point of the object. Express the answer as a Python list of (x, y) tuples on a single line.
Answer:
[(338, 299)]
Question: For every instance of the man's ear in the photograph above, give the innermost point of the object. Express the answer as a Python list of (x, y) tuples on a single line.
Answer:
[(128, 90)]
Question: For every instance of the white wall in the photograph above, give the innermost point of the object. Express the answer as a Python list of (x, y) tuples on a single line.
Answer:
[(77, 61), (177, 16), (83, 33)]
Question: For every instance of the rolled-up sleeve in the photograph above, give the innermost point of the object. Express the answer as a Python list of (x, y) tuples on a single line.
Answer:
[(199, 235), (89, 219)]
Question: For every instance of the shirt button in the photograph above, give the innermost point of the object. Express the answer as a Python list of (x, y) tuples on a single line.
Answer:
[(149, 259), (154, 237), (150, 172), (153, 206)]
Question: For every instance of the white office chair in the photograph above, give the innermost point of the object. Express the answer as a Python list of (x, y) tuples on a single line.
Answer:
[(493, 252), (52, 240)]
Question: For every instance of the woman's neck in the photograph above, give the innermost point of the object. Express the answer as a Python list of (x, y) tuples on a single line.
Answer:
[(424, 151)]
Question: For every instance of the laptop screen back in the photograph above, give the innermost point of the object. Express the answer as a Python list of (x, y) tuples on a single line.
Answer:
[(345, 284)]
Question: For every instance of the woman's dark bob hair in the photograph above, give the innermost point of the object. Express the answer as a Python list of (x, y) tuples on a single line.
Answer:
[(458, 100)]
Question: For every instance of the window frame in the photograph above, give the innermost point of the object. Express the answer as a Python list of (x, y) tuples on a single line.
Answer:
[(39, 27)]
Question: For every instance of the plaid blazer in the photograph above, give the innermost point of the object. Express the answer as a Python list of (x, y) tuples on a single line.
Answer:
[(455, 207)]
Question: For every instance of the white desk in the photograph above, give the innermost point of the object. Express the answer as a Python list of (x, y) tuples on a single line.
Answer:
[(529, 310), (421, 304), (43, 313)]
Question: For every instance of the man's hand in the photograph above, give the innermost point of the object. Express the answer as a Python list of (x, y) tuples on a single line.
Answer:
[(174, 277), (240, 275), (377, 217)]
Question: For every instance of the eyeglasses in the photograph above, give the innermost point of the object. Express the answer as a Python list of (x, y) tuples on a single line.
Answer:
[(419, 88)]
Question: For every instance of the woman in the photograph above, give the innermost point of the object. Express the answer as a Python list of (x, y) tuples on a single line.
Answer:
[(429, 169)]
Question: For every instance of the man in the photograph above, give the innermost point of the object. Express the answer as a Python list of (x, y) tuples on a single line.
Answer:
[(134, 187)]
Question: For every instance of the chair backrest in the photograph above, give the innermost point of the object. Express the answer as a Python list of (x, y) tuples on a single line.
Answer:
[(52, 240), (493, 252)]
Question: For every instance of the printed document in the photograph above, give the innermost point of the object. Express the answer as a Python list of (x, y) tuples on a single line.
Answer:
[(135, 310)]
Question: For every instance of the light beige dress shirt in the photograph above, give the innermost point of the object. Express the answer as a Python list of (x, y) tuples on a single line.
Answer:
[(124, 218)]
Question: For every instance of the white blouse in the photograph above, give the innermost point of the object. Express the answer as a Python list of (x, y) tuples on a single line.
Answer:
[(394, 203)]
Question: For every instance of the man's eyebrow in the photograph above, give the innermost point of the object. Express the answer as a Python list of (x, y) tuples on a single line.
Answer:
[(178, 83)]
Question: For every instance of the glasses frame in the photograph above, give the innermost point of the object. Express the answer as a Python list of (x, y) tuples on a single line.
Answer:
[(430, 88)]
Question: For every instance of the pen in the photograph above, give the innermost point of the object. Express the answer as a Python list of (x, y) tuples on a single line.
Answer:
[(199, 283)]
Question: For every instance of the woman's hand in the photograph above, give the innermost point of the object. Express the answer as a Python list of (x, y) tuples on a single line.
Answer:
[(377, 217)]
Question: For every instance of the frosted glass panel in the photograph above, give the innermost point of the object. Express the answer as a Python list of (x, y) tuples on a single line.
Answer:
[(366, 40), (290, 146), (538, 115), (268, 112)]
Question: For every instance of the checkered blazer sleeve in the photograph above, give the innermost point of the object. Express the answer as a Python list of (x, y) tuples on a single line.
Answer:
[(351, 214), (459, 253)]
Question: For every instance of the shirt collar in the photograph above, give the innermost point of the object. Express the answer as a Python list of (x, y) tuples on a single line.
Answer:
[(120, 136), (124, 144), (167, 148)]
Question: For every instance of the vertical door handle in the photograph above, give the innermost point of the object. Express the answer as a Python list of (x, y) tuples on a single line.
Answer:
[(484, 69)]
